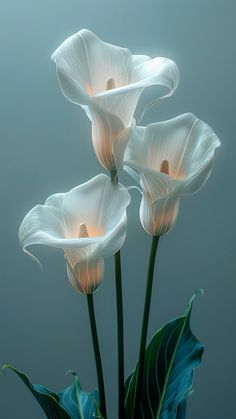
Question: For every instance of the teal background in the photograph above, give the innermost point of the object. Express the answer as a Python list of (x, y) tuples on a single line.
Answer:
[(46, 148)]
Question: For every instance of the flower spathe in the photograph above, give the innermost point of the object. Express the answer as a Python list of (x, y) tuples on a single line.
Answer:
[(88, 222), (172, 158), (107, 81)]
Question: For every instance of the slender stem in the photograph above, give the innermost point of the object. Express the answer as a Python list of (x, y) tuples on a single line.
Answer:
[(120, 322), (120, 334), (143, 340), (97, 355), (114, 176)]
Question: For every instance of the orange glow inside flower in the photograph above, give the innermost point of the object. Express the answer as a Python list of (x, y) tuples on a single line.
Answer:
[(89, 90), (89, 231), (164, 168), (83, 232), (180, 175)]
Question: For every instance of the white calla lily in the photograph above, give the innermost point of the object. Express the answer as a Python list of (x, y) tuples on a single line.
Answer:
[(107, 81), (172, 158), (88, 222)]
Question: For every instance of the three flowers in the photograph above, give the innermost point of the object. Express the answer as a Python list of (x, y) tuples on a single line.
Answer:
[(168, 159)]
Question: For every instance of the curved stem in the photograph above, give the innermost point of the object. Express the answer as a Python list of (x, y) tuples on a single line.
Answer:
[(97, 355), (120, 334), (143, 340), (120, 322)]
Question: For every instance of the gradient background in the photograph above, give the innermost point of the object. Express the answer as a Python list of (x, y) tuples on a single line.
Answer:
[(46, 148)]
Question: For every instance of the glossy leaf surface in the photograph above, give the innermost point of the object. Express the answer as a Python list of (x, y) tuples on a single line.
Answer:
[(170, 360), (70, 403)]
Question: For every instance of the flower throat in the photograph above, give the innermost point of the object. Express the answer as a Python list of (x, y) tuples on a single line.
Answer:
[(164, 168), (83, 232), (110, 84)]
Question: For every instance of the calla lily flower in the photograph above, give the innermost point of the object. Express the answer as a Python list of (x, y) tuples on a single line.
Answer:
[(170, 159), (107, 81), (88, 223)]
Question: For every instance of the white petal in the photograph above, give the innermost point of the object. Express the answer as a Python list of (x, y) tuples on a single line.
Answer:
[(72, 90), (157, 71), (122, 101), (137, 149), (48, 226), (86, 62), (195, 182), (166, 140), (107, 129), (186, 142), (97, 203), (42, 225), (199, 148), (139, 59), (109, 136), (114, 219), (159, 186), (159, 217), (82, 205), (133, 174), (86, 276), (141, 155), (119, 147)]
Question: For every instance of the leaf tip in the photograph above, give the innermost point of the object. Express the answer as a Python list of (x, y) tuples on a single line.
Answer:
[(75, 378), (5, 367), (70, 372), (196, 294)]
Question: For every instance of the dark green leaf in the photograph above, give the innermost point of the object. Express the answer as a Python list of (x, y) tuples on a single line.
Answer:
[(48, 400), (71, 403), (78, 403), (170, 360), (181, 411), (97, 413)]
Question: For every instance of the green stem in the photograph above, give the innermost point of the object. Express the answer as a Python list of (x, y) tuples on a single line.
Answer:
[(143, 340), (120, 322), (97, 355), (114, 176), (120, 335)]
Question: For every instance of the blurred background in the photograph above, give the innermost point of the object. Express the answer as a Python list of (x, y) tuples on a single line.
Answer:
[(46, 148)]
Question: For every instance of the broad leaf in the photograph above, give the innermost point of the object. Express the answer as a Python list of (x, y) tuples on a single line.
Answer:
[(182, 407), (181, 410), (170, 360), (48, 400), (78, 403), (70, 403)]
